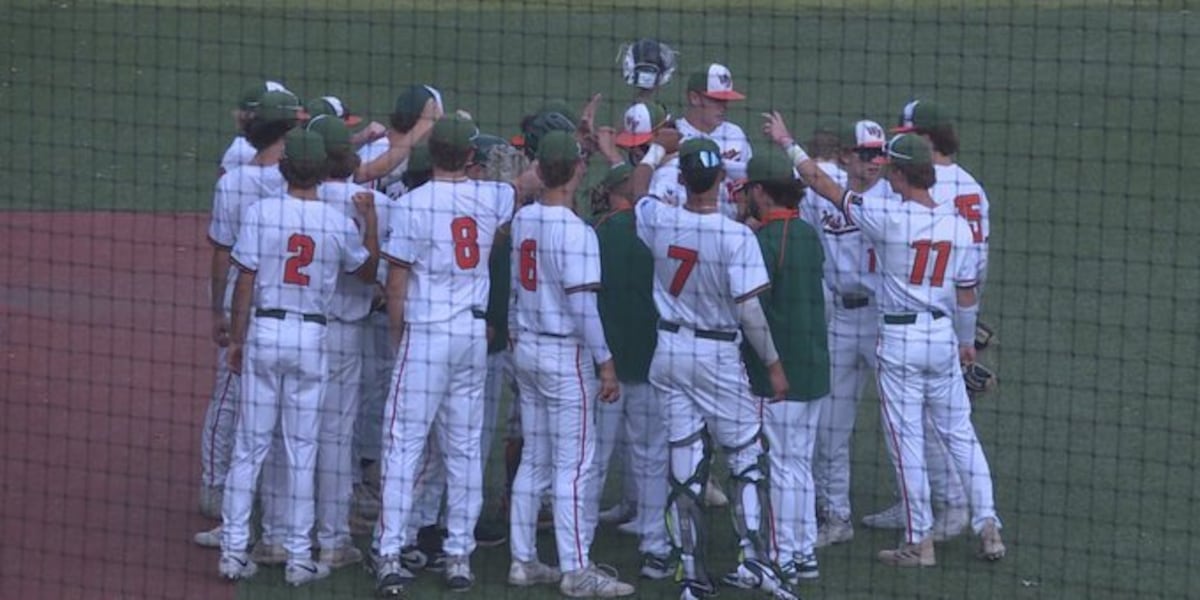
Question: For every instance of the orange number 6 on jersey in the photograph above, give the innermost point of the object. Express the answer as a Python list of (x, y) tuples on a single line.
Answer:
[(528, 265), (466, 246), (303, 247), (689, 258)]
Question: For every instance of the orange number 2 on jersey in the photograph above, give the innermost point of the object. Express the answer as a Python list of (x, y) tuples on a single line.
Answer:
[(528, 265), (968, 208), (466, 246), (921, 262), (302, 246), (688, 258)]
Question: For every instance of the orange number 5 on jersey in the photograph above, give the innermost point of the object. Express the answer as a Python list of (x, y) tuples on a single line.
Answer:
[(968, 207)]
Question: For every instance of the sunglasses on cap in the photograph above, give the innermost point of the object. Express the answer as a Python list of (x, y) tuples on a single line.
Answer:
[(869, 154)]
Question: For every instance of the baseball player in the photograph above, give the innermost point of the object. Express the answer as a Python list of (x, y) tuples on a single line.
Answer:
[(289, 253), (707, 269), (439, 247), (626, 305), (851, 278), (276, 112), (417, 108), (795, 310), (926, 329), (559, 337), (240, 151), (345, 338), (956, 191)]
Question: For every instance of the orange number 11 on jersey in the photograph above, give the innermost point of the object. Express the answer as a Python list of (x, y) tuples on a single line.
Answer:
[(921, 262)]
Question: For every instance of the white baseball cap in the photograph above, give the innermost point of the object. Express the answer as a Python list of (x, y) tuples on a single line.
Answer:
[(640, 121), (716, 82), (864, 134)]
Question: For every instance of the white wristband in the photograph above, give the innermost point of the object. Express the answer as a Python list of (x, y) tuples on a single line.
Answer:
[(654, 155), (796, 153)]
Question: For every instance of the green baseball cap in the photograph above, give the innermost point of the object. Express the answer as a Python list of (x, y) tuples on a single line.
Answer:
[(412, 100), (331, 129), (455, 131), (909, 149), (617, 175), (303, 146), (419, 161), (770, 165), (250, 96), (559, 147), (922, 114), (331, 105), (714, 81), (278, 105)]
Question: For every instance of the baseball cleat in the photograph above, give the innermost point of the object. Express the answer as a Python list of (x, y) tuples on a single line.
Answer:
[(950, 522), (806, 567), (413, 558), (236, 566), (657, 567), (834, 530), (458, 573), (910, 555), (341, 556), (891, 517), (691, 589), (593, 582), (620, 512), (208, 539), (391, 578), (300, 573), (525, 574), (268, 554), (991, 547)]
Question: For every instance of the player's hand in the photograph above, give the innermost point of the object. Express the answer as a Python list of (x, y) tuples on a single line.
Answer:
[(220, 329), (364, 203), (429, 116), (610, 390), (966, 354), (587, 117), (775, 129), (669, 138), (234, 359), (373, 131), (779, 382)]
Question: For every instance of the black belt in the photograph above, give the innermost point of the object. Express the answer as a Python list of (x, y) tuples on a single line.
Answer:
[(279, 313), (720, 336), (855, 301), (908, 319)]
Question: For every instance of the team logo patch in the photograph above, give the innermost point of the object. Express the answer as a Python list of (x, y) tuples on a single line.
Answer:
[(873, 131), (631, 123), (725, 79)]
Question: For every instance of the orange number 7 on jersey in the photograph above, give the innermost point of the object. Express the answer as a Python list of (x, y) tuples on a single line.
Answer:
[(921, 262), (968, 208), (689, 258)]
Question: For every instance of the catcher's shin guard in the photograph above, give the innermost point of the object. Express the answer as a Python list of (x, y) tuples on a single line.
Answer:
[(685, 517), (750, 502)]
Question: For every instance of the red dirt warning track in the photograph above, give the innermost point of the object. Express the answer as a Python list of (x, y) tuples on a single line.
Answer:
[(105, 370)]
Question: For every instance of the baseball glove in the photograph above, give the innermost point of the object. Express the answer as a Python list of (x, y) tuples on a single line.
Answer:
[(984, 335), (979, 379)]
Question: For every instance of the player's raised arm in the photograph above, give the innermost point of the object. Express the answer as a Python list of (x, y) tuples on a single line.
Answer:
[(666, 143), (776, 129), (364, 204), (403, 139)]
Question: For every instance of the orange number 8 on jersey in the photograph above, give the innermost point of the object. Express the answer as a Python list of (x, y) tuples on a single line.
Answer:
[(466, 245)]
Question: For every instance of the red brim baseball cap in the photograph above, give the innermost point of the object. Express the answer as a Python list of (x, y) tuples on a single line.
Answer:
[(726, 95), (627, 139)]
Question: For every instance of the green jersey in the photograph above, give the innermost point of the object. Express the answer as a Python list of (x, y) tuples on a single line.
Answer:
[(795, 308), (499, 272), (626, 299)]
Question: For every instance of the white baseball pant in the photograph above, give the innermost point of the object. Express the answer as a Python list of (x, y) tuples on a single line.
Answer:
[(339, 411), (634, 426), (437, 386), (558, 390), (282, 375), (216, 439), (791, 430), (919, 373), (852, 337)]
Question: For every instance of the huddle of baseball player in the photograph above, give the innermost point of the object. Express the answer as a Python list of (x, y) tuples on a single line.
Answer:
[(377, 290)]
